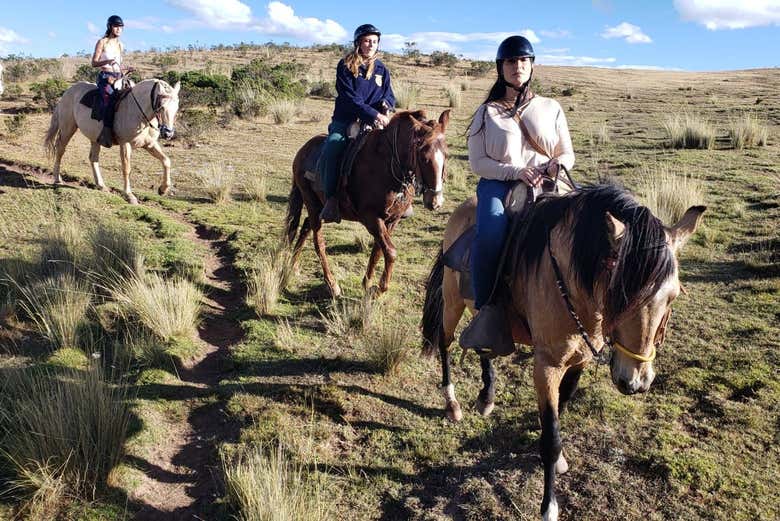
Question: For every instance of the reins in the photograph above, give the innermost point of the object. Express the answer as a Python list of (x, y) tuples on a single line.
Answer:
[(409, 176), (155, 112)]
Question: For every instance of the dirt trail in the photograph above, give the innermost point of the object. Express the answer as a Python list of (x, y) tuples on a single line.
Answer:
[(181, 479)]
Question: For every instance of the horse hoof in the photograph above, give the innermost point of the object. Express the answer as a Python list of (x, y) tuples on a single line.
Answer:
[(132, 199), (454, 414), (484, 408), (373, 292), (104, 188), (561, 466), (164, 190), (551, 514), (335, 291)]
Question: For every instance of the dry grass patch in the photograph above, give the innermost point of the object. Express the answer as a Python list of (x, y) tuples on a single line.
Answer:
[(387, 343), (689, 131), (61, 248), (406, 94), (217, 181), (348, 316), (168, 308), (267, 279), (668, 194), (599, 134), (266, 485), (454, 95), (748, 131), (256, 186), (115, 254), (283, 110)]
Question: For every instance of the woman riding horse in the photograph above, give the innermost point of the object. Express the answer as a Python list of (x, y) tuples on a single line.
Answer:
[(364, 93), (108, 58), (515, 135)]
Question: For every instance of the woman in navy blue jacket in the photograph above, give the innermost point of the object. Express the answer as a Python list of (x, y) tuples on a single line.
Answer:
[(364, 93)]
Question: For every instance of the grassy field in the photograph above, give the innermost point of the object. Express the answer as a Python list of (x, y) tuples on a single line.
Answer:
[(360, 443)]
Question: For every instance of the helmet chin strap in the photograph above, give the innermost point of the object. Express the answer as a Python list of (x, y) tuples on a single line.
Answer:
[(522, 89)]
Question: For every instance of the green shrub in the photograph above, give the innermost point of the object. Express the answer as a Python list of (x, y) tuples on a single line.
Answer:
[(201, 88), (49, 91), (85, 72), (165, 61), (480, 68), (19, 69), (16, 124), (444, 58), (12, 92), (323, 89), (193, 123)]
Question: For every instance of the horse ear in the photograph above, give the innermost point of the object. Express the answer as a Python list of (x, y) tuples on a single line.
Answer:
[(444, 119), (615, 230), (680, 232), (176, 88)]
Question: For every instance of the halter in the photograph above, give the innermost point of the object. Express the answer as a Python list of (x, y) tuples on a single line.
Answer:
[(611, 342)]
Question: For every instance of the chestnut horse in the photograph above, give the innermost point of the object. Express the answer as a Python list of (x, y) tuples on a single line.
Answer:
[(394, 163), (588, 266)]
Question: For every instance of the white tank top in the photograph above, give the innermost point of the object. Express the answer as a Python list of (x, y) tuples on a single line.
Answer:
[(111, 54)]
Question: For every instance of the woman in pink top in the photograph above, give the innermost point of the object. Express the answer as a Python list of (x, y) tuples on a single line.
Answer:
[(515, 135)]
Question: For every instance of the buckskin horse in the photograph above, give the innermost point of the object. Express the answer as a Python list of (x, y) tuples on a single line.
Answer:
[(149, 102), (394, 163), (590, 268)]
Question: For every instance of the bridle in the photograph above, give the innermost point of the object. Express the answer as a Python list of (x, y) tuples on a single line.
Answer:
[(409, 176), (157, 106), (609, 340)]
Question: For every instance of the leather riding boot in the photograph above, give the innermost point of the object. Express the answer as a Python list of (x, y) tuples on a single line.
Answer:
[(330, 212), (489, 333), (106, 137)]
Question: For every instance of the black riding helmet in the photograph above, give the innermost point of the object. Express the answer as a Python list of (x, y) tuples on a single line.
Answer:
[(363, 30), (514, 47), (114, 21)]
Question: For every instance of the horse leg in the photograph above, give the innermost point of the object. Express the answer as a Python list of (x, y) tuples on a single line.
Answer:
[(487, 396), (156, 150), (547, 380), (94, 161), (453, 307), (372, 260), (60, 144), (319, 247), (302, 236), (388, 249), (125, 151), (565, 392)]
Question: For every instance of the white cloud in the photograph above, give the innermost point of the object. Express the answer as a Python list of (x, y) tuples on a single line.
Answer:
[(556, 33), (561, 59), (729, 14), (216, 13), (630, 32), (93, 29), (282, 21), (647, 68), (446, 41), (8, 38)]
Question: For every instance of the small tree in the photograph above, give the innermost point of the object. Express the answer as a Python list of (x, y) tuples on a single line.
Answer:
[(412, 52)]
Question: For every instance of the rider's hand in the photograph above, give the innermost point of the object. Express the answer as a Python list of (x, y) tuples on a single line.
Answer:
[(381, 120), (553, 167), (530, 176)]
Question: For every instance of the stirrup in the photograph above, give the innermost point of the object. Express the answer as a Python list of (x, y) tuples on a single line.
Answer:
[(489, 333)]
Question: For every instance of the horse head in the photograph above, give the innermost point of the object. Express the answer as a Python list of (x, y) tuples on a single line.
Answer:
[(429, 147), (165, 106), (639, 332)]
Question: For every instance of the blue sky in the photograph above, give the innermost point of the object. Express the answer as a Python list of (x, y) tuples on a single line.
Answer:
[(692, 35)]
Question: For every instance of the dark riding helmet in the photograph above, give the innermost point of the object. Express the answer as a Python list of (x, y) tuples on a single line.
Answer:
[(363, 30), (515, 47), (114, 21)]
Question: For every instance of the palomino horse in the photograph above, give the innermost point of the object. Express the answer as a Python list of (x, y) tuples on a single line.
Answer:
[(589, 265), (149, 102), (393, 164)]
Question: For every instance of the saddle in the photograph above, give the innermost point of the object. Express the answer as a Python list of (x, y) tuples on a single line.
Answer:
[(356, 138), (93, 100)]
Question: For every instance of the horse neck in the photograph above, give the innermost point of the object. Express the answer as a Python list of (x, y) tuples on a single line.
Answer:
[(142, 92)]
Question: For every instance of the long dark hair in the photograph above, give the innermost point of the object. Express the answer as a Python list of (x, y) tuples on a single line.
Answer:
[(498, 91)]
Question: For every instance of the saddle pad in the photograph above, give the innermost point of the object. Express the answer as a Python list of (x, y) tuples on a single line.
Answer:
[(311, 161), (93, 101)]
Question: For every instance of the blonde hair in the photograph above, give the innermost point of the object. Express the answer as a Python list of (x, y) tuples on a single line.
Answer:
[(354, 60)]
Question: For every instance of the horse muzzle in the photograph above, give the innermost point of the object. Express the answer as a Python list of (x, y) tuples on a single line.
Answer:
[(166, 132), (433, 199)]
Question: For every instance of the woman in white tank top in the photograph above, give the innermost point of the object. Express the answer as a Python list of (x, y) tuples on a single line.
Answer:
[(108, 59)]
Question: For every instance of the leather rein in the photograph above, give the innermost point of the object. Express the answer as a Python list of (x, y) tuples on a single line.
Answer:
[(154, 100)]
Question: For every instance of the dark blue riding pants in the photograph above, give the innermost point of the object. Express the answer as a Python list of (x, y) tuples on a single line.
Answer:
[(330, 159), (107, 95), (491, 231)]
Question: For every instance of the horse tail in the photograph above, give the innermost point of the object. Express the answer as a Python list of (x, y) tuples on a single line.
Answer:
[(53, 134), (433, 309), (293, 218)]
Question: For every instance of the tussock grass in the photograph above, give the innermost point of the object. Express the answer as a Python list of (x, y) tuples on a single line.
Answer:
[(748, 131), (387, 343), (256, 186), (146, 348), (266, 485), (283, 110), (248, 100), (454, 95), (346, 316), (115, 253), (406, 94), (599, 134), (267, 278), (62, 431), (57, 307), (457, 173), (168, 308), (686, 130), (217, 181), (668, 194), (61, 249), (285, 336)]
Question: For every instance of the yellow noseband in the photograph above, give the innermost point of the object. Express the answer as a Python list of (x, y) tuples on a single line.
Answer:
[(632, 355)]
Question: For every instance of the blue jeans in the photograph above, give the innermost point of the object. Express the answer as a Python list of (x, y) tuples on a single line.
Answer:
[(330, 159), (106, 96), (491, 233)]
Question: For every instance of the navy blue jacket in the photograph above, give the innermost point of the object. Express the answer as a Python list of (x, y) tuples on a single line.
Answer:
[(361, 97)]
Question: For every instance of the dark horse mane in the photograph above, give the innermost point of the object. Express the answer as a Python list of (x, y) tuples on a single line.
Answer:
[(642, 263)]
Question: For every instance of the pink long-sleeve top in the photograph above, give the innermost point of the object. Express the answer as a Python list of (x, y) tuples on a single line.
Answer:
[(498, 150)]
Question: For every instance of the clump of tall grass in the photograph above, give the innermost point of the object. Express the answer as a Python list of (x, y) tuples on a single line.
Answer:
[(285, 336), (668, 194), (599, 135), (748, 131), (283, 110), (248, 100), (454, 96), (689, 131), (61, 249), (62, 432), (256, 186), (406, 94), (57, 307), (146, 348), (267, 279), (168, 308), (347, 316), (387, 343), (115, 253), (266, 485), (217, 181)]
